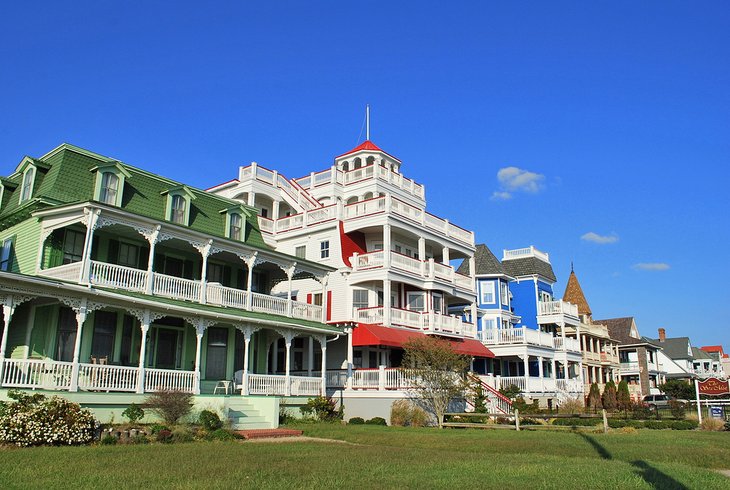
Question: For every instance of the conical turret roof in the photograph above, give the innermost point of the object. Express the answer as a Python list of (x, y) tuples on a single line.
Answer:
[(574, 294)]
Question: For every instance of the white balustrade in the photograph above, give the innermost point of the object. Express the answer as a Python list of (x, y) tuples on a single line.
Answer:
[(306, 311), (406, 263), (370, 260), (107, 377), (268, 304), (630, 366), (117, 276), (217, 294), (267, 384), (169, 380), (289, 223), (406, 318), (66, 272), (366, 379), (319, 215), (176, 287), (443, 271), (266, 225), (406, 210), (264, 175), (365, 208), (521, 253), (464, 282), (558, 308), (518, 381), (305, 385), (369, 315), (323, 177), (37, 373)]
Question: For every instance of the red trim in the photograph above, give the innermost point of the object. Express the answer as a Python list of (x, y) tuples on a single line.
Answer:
[(224, 183), (309, 298), (351, 243), (329, 305)]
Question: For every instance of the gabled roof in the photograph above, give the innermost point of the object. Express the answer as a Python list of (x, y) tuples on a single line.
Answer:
[(700, 354), (366, 145), (574, 294), (675, 347), (620, 329), (529, 266), (485, 263)]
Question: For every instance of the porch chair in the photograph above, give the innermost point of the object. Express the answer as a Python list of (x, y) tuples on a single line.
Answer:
[(222, 385), (238, 381)]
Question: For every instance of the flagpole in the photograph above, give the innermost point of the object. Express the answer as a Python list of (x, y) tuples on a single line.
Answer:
[(367, 122), (697, 394)]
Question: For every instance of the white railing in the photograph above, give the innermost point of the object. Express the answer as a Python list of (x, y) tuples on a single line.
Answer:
[(567, 344), (36, 373), (406, 263), (267, 384), (369, 315), (266, 225), (518, 381), (521, 253), (176, 287), (305, 311), (107, 378), (321, 214), (169, 379), (305, 385), (359, 174), (570, 385), (530, 384), (629, 366), (558, 308), (366, 379), (264, 175), (464, 282), (117, 276), (289, 223), (424, 321), (370, 260), (365, 208), (225, 296), (406, 318), (519, 335), (406, 210), (268, 304), (443, 271), (66, 272)]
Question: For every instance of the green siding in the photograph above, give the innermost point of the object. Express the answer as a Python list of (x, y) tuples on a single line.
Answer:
[(25, 237), (17, 332), (43, 334)]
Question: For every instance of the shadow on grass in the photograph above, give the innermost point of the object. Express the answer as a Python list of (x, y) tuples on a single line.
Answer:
[(651, 475)]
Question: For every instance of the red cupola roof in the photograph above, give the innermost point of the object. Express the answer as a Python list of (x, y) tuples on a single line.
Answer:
[(366, 145)]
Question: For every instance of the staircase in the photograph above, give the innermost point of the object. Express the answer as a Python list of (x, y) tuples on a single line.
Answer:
[(499, 403), (244, 416)]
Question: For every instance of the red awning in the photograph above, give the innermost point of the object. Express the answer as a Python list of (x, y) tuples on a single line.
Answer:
[(365, 334)]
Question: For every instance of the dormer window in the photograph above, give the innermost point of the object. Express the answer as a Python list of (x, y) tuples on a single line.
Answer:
[(178, 210), (27, 188), (235, 227), (109, 188)]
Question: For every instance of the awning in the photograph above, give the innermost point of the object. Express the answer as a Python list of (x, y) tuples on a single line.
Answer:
[(365, 334)]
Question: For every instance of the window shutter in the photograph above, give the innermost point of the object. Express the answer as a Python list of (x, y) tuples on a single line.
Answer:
[(309, 298), (54, 248), (329, 306), (113, 252)]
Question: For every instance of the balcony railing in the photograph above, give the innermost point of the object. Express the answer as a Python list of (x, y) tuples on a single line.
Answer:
[(428, 322), (519, 335), (567, 344), (425, 269), (130, 279), (535, 384), (558, 308), (629, 366)]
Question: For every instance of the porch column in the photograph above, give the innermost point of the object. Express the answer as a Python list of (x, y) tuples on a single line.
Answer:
[(152, 239), (422, 254), (526, 364), (199, 330), (246, 347), (445, 257), (386, 302), (350, 356), (144, 327), (310, 357), (275, 210), (325, 301), (554, 371), (541, 374), (323, 342), (387, 246), (287, 362), (8, 311), (275, 357), (580, 372), (80, 319), (204, 252), (289, 276), (250, 263), (252, 195), (91, 220)]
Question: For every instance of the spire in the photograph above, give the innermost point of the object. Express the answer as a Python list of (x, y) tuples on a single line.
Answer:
[(367, 122), (574, 294)]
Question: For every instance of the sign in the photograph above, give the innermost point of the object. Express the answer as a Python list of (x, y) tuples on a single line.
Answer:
[(713, 386), (716, 412)]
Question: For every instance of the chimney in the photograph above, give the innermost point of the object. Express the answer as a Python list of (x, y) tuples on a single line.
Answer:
[(662, 335)]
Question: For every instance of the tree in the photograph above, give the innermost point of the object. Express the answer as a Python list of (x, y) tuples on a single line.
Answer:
[(623, 397), (676, 388), (610, 401), (594, 397), (512, 391), (436, 372)]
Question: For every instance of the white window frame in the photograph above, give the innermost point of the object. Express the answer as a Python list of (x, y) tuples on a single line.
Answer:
[(104, 189), (324, 249), (238, 236), (26, 191), (504, 293), (487, 287), (300, 252), (185, 211), (440, 297), (415, 294), (359, 304)]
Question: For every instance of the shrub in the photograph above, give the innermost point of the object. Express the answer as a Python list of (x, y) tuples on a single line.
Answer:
[(376, 421), (574, 421), (220, 435), (678, 409), (594, 397), (133, 413), (170, 405), (108, 440), (609, 399), (571, 406), (322, 408), (139, 439), (210, 420), (164, 436), (34, 420), (419, 418), (155, 428), (511, 391), (400, 413), (677, 388), (641, 411), (627, 430), (623, 397), (712, 424), (182, 435), (683, 424), (356, 421)]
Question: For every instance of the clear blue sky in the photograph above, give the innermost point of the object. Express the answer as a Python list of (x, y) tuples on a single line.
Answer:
[(614, 115)]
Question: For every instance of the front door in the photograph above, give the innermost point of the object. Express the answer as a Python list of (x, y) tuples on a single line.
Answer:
[(166, 355)]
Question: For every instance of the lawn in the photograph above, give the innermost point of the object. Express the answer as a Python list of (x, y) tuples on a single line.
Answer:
[(387, 457)]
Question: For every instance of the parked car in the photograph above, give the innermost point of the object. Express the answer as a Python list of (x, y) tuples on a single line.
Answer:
[(660, 401)]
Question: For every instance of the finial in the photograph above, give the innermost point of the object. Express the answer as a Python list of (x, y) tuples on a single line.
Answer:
[(367, 122), (571, 266)]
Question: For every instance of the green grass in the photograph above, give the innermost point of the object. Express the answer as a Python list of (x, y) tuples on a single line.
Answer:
[(388, 457)]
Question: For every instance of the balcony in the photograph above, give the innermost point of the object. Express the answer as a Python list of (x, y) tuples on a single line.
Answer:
[(535, 385), (557, 312), (114, 276), (632, 366), (527, 336), (427, 322), (423, 269)]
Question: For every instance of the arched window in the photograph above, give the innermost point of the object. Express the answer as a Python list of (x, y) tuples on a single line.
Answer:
[(345, 166), (27, 188), (109, 188), (235, 227), (357, 164)]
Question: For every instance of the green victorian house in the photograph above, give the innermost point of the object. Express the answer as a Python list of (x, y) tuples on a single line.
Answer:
[(116, 282)]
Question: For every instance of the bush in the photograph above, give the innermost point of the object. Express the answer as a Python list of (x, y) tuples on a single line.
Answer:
[(133, 413), (164, 436), (400, 413), (155, 428), (108, 440), (577, 422), (594, 398), (571, 406), (524, 407), (220, 435), (712, 424), (170, 405), (182, 435), (34, 420), (210, 420), (623, 397), (139, 439), (678, 409), (677, 388), (641, 411), (356, 421), (376, 421), (683, 424), (419, 418), (609, 399), (511, 391), (322, 408)]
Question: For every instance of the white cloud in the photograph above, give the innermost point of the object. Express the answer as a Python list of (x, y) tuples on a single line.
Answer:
[(500, 196), (600, 239), (650, 266), (517, 179)]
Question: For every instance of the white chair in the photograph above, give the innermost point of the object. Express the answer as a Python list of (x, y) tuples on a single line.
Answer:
[(238, 380), (222, 385)]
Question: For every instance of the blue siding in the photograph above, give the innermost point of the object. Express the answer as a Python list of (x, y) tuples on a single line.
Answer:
[(524, 302), (488, 306)]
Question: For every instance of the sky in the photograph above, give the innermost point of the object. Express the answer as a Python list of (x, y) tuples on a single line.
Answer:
[(597, 131)]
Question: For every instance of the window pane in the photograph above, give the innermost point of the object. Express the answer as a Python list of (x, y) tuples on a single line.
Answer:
[(73, 246), (324, 249), (215, 364), (6, 254), (359, 298), (109, 186), (66, 335), (235, 229), (178, 209), (128, 255), (27, 185), (105, 327), (301, 252)]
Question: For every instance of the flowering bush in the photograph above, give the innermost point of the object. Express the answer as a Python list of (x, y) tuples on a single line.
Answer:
[(34, 420)]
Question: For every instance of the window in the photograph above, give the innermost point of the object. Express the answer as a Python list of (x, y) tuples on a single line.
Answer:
[(399, 249), (264, 213), (301, 252), (215, 363), (215, 273), (235, 227), (377, 247), (105, 328), (27, 187), (359, 298), (416, 301), (488, 323), (128, 255), (317, 299), (438, 303), (487, 289), (177, 210), (66, 335), (109, 188), (505, 294), (73, 246), (6, 254), (324, 249)]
